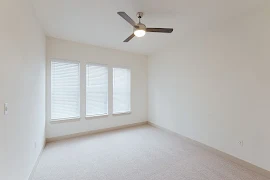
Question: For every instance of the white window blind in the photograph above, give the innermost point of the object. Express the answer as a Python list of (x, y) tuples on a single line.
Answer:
[(96, 90), (65, 90), (121, 90)]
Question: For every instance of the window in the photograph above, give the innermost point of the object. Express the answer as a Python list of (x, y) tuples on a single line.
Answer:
[(65, 90), (121, 90), (96, 90)]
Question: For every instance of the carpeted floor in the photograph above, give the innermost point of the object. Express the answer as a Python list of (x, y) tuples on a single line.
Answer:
[(139, 153)]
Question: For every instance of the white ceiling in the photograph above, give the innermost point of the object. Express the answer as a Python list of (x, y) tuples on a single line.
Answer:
[(96, 22)]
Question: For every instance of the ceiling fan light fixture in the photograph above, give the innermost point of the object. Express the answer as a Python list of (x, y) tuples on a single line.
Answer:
[(139, 28), (139, 32)]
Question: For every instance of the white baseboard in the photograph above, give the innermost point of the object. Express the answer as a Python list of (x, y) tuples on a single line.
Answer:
[(94, 132), (236, 160), (37, 161)]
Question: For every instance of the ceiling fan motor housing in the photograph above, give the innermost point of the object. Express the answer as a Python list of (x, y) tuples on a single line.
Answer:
[(140, 26)]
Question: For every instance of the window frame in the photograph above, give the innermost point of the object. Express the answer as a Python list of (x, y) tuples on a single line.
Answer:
[(130, 94), (108, 76), (79, 72)]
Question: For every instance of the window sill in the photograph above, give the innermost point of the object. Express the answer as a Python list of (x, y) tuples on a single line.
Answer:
[(73, 119), (122, 113), (96, 116)]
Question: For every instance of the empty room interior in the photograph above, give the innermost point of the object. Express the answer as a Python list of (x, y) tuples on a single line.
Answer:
[(135, 90)]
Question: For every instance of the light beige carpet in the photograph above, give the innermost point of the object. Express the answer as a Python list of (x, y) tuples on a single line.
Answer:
[(140, 153)]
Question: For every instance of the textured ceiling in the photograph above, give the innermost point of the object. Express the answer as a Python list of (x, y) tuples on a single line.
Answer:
[(96, 22)]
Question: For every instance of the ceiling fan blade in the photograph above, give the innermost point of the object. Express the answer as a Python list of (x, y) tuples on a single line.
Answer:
[(159, 30), (129, 38), (127, 18)]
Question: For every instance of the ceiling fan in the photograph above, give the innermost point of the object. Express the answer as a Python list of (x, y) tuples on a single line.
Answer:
[(139, 28)]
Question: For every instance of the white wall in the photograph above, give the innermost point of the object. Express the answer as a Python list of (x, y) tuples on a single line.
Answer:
[(216, 88), (22, 79), (113, 58)]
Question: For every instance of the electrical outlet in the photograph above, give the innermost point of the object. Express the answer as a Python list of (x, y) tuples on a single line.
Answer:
[(35, 144), (6, 109), (241, 143)]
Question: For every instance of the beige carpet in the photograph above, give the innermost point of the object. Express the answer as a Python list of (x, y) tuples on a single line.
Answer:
[(140, 153)]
